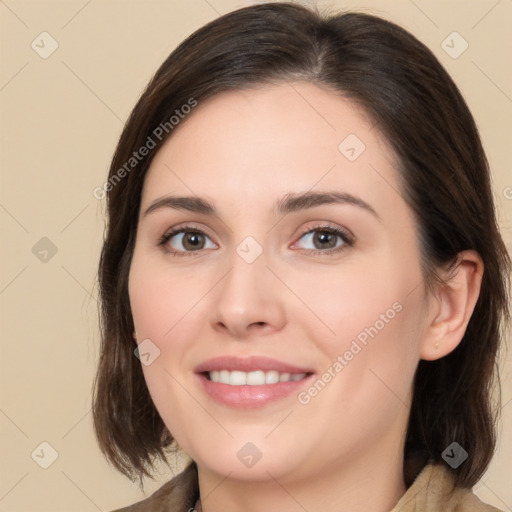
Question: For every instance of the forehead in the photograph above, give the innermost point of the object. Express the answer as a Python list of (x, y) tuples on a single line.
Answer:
[(269, 141)]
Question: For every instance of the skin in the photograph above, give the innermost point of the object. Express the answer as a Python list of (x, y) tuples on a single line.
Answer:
[(243, 151)]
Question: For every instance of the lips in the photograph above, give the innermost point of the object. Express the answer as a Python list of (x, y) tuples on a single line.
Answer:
[(249, 364), (250, 382)]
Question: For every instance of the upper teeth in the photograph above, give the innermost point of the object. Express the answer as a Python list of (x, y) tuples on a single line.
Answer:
[(256, 378)]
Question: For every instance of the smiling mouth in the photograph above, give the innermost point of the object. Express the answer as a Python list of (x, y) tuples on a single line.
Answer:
[(253, 378)]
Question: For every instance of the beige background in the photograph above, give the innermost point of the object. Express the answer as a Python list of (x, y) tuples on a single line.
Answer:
[(61, 117)]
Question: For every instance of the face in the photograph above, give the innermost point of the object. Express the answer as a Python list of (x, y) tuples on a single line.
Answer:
[(282, 305)]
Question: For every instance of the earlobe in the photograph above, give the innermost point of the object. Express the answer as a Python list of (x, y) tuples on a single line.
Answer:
[(455, 301)]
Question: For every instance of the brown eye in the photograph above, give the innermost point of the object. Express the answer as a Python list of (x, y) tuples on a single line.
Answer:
[(326, 240), (185, 240), (192, 240)]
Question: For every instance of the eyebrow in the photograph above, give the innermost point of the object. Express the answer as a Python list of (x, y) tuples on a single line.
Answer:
[(288, 204)]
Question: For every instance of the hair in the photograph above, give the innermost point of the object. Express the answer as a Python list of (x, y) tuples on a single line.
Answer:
[(444, 177)]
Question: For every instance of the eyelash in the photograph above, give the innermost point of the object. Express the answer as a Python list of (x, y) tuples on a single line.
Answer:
[(347, 240)]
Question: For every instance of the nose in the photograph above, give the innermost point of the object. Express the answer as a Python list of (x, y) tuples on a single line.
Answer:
[(249, 300)]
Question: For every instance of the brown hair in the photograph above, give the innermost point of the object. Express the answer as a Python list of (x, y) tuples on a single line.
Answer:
[(445, 180)]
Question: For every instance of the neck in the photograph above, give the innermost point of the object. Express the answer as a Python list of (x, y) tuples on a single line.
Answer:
[(371, 484)]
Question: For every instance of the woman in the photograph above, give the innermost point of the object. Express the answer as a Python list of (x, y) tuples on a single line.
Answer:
[(303, 284)]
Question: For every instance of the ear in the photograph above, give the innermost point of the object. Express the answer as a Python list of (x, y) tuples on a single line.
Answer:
[(453, 306)]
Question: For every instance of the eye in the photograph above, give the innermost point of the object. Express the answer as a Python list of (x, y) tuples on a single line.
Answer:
[(327, 240), (186, 239)]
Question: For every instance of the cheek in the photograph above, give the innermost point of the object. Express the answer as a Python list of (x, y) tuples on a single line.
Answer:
[(368, 323), (160, 300), (369, 365), (161, 303), (356, 300)]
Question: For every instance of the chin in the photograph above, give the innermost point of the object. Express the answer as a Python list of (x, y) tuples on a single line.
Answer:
[(257, 461)]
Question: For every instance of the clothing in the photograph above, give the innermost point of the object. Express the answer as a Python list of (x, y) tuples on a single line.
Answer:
[(428, 493)]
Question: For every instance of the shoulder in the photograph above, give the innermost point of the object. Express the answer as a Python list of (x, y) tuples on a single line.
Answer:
[(432, 491), (177, 495)]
